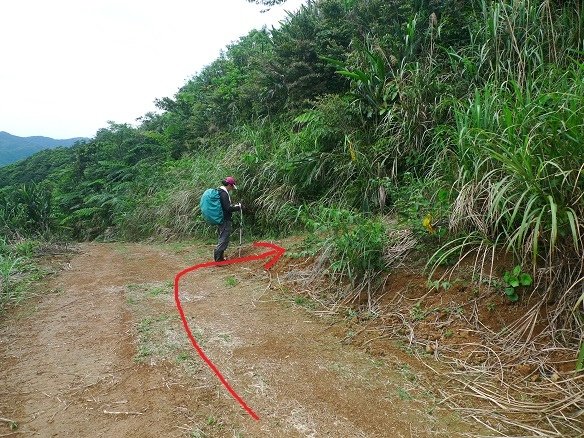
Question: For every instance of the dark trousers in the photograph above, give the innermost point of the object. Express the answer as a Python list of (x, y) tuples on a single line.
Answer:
[(224, 231)]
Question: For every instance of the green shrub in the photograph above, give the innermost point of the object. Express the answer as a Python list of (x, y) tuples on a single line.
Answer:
[(353, 244)]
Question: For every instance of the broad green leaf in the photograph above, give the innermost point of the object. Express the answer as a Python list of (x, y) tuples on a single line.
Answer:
[(525, 279), (507, 277), (574, 228)]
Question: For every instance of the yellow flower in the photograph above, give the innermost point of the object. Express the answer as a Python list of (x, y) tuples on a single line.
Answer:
[(427, 223)]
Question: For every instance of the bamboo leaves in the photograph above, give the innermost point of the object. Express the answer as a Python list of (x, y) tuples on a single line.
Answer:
[(371, 82)]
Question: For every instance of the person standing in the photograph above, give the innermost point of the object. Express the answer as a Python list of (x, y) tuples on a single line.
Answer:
[(225, 227)]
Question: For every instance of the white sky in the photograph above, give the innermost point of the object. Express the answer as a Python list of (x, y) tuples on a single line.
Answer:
[(67, 67)]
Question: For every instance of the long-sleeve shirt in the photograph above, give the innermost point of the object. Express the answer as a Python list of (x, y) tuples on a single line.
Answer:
[(228, 209)]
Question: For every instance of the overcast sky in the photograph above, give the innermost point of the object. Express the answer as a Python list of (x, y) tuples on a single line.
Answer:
[(67, 67)]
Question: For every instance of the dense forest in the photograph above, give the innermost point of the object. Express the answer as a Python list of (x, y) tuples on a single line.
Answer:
[(459, 121)]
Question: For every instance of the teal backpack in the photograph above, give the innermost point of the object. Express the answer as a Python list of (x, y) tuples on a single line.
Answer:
[(211, 207)]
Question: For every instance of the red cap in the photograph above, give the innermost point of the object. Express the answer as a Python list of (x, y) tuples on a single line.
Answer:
[(231, 181)]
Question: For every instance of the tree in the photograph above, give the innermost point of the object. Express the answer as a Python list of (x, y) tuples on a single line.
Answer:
[(297, 73), (267, 2)]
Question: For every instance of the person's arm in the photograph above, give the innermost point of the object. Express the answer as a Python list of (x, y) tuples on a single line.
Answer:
[(225, 205)]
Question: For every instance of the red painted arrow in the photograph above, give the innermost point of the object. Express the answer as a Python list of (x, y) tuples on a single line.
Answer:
[(275, 254)]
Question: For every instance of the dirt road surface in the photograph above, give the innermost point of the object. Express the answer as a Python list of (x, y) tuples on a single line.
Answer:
[(102, 353)]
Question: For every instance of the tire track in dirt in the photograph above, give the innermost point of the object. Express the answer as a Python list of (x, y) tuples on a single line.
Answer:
[(103, 354)]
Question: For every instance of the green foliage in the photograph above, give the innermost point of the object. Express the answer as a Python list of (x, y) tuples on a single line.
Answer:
[(418, 313), (8, 268), (517, 141), (515, 279), (520, 180), (16, 270), (267, 2), (38, 167), (231, 281), (296, 73), (26, 210), (353, 244), (438, 284), (371, 85), (416, 199), (463, 119), (326, 150)]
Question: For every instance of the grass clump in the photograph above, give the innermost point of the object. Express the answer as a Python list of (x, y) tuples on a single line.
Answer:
[(17, 270)]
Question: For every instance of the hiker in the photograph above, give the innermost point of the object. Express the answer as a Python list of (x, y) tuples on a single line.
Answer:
[(225, 227)]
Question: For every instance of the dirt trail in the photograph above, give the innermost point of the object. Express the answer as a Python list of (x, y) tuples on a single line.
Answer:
[(103, 354)]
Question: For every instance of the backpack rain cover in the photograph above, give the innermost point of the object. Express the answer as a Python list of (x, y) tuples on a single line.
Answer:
[(211, 207)]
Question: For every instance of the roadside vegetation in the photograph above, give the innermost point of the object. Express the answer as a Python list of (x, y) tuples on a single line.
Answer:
[(18, 269), (448, 130)]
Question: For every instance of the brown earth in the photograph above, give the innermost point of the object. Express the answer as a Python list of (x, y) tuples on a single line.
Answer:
[(101, 352)]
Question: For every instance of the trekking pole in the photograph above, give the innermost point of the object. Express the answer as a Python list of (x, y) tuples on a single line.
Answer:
[(240, 229)]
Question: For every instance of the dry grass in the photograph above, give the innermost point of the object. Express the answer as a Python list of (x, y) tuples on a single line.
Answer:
[(509, 383), (514, 381)]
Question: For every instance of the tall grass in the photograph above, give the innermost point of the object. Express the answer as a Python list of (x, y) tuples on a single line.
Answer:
[(168, 200), (13, 261), (26, 210), (8, 268), (518, 39), (321, 157), (350, 252), (519, 143), (262, 164)]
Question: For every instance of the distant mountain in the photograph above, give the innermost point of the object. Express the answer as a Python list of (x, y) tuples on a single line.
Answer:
[(14, 148)]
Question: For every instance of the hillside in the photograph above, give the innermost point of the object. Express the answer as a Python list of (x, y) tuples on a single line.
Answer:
[(441, 137), (14, 148)]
